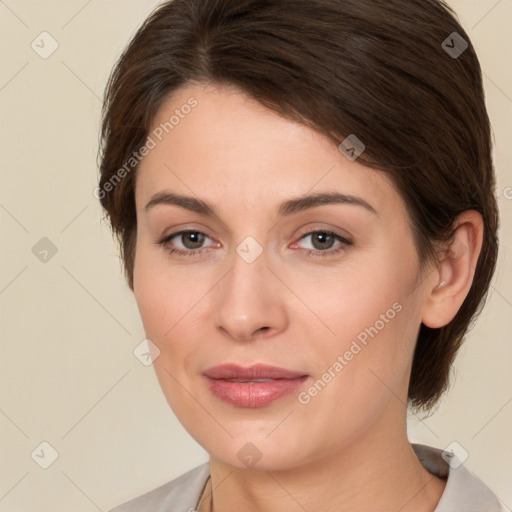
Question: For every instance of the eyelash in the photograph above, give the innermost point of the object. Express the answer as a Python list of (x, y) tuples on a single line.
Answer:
[(310, 252)]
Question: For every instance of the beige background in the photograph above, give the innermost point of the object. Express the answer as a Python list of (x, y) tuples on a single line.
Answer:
[(69, 326)]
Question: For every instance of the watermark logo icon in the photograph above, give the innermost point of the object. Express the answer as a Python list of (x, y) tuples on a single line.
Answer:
[(455, 455), (44, 250), (44, 45), (352, 147), (454, 45), (146, 352), (249, 249), (249, 454), (44, 455)]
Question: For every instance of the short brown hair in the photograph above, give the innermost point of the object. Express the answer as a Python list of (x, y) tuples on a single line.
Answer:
[(380, 69)]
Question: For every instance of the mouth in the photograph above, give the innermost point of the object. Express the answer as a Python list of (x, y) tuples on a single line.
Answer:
[(254, 386)]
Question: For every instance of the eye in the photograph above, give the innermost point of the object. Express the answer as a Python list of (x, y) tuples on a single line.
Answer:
[(190, 240), (323, 242)]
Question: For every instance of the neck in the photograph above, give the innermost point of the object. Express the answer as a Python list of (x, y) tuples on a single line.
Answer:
[(378, 471)]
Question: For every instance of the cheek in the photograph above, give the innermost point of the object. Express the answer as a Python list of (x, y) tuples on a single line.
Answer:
[(171, 310), (174, 318), (158, 301), (363, 370), (357, 300), (152, 299), (373, 317)]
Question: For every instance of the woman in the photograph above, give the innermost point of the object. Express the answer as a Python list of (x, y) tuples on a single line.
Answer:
[(303, 193)]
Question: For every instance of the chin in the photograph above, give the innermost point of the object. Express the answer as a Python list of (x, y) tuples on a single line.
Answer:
[(254, 453)]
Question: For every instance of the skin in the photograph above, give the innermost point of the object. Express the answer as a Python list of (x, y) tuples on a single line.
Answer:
[(347, 449)]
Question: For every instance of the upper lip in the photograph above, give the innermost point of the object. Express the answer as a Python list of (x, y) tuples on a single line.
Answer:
[(257, 371)]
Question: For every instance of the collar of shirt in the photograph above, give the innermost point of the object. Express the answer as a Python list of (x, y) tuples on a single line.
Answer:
[(464, 491)]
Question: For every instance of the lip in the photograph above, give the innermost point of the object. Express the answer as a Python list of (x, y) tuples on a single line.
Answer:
[(254, 386), (257, 371)]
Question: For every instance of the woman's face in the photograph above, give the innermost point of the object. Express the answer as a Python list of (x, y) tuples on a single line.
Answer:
[(339, 310)]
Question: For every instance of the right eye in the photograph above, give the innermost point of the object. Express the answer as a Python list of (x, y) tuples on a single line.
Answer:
[(188, 238)]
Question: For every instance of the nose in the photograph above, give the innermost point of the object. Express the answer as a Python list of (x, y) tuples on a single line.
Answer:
[(249, 302)]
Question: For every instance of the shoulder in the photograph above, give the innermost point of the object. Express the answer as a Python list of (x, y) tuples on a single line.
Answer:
[(180, 494), (464, 490)]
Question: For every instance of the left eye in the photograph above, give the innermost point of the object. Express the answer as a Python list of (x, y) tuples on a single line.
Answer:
[(323, 241)]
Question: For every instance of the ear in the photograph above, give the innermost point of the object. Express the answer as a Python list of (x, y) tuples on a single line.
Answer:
[(449, 284)]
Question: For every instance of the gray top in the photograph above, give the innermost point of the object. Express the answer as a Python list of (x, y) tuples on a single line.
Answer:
[(463, 491)]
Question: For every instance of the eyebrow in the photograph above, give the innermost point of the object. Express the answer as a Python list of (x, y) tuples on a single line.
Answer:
[(286, 208)]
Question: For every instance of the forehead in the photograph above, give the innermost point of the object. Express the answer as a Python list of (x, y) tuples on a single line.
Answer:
[(231, 149)]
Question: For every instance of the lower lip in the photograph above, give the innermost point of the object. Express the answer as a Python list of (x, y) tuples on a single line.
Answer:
[(254, 394)]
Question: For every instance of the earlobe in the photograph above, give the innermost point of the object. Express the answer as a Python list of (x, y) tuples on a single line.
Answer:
[(452, 279)]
